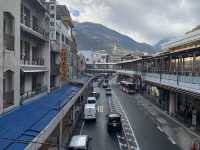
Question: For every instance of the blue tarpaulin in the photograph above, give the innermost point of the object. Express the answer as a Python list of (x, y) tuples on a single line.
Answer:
[(25, 122)]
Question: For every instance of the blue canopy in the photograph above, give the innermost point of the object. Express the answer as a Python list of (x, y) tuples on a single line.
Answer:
[(25, 122)]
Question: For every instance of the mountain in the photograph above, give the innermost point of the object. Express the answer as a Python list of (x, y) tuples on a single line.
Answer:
[(92, 36), (157, 46)]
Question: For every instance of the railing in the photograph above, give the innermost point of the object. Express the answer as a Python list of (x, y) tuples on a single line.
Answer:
[(8, 98), (9, 41), (42, 31), (33, 92), (34, 61)]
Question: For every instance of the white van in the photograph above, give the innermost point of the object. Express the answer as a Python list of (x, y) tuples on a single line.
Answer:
[(90, 111), (91, 100)]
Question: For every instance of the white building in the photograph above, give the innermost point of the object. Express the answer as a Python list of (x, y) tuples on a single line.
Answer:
[(60, 41), (25, 51)]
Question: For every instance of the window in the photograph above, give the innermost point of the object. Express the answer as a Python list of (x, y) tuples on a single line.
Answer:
[(52, 23), (63, 38), (35, 23), (52, 7), (8, 31), (52, 15), (27, 50), (8, 88), (198, 64), (26, 17)]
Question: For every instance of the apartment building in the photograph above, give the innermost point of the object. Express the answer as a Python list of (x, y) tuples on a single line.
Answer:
[(25, 51), (63, 46)]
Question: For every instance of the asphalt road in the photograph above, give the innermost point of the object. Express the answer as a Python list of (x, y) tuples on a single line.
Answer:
[(101, 140), (147, 134)]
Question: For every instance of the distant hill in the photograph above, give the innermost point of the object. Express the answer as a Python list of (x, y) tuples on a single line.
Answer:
[(157, 46), (92, 36)]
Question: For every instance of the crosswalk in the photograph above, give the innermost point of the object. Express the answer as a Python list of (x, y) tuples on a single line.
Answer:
[(100, 108)]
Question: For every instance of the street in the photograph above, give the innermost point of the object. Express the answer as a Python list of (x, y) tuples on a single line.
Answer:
[(140, 132)]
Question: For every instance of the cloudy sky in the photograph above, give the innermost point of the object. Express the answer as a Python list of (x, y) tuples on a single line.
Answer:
[(143, 20)]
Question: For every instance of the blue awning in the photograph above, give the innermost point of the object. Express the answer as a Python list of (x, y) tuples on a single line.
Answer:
[(84, 77), (24, 123)]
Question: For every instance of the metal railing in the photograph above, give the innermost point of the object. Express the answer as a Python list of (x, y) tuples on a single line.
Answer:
[(34, 61), (28, 94), (41, 30), (9, 42), (8, 98)]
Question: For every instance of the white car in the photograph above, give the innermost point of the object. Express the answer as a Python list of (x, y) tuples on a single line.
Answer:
[(91, 100), (79, 142), (90, 111)]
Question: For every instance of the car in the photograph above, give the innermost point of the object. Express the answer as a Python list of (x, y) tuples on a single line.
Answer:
[(90, 112), (79, 142), (91, 100), (108, 91), (95, 94), (105, 85), (114, 123)]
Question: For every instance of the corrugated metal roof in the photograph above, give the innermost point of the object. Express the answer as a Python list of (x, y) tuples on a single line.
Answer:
[(25, 122)]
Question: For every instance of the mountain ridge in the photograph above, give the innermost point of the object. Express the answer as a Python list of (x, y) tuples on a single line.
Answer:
[(93, 36)]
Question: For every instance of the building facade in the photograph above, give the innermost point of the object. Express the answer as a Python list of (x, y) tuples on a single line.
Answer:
[(25, 51), (170, 77), (61, 39), (38, 50)]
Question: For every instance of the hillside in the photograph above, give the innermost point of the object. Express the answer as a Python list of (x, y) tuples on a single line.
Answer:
[(91, 36)]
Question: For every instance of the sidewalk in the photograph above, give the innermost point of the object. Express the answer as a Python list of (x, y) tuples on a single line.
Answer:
[(177, 132)]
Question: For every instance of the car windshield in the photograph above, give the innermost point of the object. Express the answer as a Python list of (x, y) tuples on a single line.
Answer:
[(91, 102), (114, 119)]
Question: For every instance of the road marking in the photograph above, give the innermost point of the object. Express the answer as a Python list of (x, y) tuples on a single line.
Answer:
[(173, 142), (82, 127), (100, 108), (138, 148), (120, 146)]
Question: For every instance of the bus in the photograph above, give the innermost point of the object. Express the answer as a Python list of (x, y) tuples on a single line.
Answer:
[(128, 87)]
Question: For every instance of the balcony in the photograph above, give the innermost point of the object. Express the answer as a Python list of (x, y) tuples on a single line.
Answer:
[(37, 31), (34, 61), (31, 93), (41, 31), (9, 42)]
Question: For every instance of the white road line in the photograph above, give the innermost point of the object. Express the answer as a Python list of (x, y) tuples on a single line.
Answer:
[(173, 142), (138, 148), (82, 127)]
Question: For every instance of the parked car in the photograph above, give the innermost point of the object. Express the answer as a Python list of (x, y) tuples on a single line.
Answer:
[(114, 122), (79, 142), (90, 111)]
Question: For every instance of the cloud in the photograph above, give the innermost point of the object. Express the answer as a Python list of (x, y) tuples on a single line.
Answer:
[(143, 20)]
